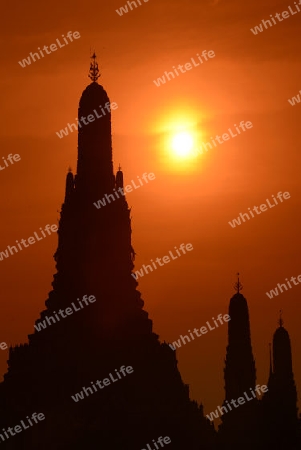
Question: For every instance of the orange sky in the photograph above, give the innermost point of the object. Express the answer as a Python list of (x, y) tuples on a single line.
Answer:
[(250, 78)]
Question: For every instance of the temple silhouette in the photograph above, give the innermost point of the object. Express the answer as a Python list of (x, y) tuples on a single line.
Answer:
[(267, 422), (95, 257)]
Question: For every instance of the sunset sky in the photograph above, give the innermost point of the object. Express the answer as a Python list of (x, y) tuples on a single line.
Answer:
[(191, 200)]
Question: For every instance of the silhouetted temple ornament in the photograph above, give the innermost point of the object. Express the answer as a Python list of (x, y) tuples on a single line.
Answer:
[(238, 286), (239, 426), (281, 425), (94, 73)]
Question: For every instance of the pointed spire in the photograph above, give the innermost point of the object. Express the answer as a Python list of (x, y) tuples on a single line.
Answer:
[(238, 286), (240, 370), (94, 71), (119, 178), (280, 319)]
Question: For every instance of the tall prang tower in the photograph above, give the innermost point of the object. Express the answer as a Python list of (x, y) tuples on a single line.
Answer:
[(95, 257), (238, 426), (281, 427), (240, 371)]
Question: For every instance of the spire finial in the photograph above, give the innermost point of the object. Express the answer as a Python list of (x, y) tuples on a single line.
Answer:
[(119, 167), (280, 318), (238, 286), (94, 71)]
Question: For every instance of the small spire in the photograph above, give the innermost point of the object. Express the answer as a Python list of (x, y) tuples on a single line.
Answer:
[(280, 319), (238, 286), (94, 71), (69, 169), (119, 178)]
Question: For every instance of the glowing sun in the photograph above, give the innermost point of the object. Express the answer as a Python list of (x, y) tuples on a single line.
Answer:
[(182, 144)]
